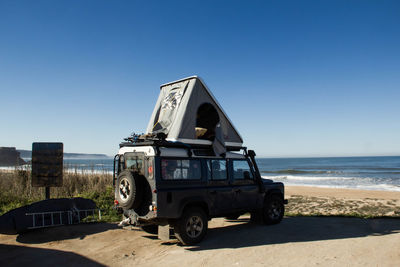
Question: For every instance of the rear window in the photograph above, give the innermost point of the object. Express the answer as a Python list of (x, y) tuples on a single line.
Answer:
[(180, 169), (132, 162)]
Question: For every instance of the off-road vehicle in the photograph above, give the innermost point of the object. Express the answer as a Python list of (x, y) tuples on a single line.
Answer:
[(190, 167)]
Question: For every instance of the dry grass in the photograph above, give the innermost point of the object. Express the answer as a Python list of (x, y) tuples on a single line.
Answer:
[(16, 189)]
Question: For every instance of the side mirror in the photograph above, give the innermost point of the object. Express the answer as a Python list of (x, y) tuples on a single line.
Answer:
[(246, 175)]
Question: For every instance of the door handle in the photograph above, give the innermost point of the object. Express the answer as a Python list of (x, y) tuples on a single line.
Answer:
[(238, 191), (213, 192)]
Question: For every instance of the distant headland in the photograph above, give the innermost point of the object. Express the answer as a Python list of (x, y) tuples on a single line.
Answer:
[(10, 156), (27, 154)]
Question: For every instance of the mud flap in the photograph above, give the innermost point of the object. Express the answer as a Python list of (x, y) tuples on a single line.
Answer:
[(163, 232)]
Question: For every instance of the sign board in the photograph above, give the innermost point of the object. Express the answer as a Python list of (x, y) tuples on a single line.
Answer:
[(47, 164)]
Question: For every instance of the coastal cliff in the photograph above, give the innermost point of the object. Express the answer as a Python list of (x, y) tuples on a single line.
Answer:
[(9, 156)]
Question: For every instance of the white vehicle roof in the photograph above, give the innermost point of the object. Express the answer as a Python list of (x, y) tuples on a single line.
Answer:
[(172, 152)]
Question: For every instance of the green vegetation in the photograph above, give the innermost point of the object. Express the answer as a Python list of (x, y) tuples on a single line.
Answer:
[(16, 190)]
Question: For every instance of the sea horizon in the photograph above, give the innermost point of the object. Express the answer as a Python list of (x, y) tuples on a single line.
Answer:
[(356, 172)]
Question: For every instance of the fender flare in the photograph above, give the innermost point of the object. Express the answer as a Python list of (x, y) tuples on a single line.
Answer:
[(273, 191), (193, 201)]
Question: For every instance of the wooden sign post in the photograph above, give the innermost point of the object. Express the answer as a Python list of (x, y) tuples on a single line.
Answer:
[(47, 165)]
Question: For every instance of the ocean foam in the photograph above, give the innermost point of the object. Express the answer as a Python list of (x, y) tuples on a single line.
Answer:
[(307, 178), (86, 171), (335, 182)]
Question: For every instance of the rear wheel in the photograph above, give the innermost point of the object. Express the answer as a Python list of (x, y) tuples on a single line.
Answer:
[(273, 209), (256, 216), (191, 227)]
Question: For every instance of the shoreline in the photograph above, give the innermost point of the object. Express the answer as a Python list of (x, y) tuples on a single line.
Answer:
[(360, 186), (306, 188)]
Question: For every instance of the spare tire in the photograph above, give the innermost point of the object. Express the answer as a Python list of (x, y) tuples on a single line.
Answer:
[(128, 191)]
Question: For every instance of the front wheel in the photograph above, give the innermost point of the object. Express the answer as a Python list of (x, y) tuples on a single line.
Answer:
[(273, 210), (191, 228)]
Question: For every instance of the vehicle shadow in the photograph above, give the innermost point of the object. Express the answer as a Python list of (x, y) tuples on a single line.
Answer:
[(294, 229), (44, 235), (11, 255)]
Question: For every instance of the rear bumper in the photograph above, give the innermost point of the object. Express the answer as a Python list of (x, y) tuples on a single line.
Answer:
[(135, 219)]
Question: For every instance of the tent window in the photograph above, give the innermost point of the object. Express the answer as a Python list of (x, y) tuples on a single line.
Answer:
[(206, 121)]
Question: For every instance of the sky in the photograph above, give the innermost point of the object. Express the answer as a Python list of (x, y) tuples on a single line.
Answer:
[(296, 78)]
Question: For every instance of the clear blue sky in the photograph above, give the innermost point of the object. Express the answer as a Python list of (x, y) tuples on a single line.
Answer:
[(297, 78)]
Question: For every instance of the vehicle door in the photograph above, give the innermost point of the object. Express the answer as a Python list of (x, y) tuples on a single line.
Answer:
[(246, 195), (180, 180), (218, 186)]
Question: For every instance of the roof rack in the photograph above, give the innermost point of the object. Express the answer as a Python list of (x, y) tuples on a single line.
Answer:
[(159, 140)]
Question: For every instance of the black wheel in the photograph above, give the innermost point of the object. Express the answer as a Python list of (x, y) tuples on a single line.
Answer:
[(191, 227), (256, 216), (151, 229), (273, 209), (126, 190)]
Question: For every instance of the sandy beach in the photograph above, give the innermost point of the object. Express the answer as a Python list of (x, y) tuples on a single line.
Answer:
[(340, 193), (306, 200), (296, 241)]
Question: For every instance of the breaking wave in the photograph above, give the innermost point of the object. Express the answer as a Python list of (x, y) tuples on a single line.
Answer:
[(364, 183), (308, 178), (389, 171)]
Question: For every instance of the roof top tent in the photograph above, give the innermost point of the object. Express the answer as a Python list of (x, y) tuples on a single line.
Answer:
[(186, 111)]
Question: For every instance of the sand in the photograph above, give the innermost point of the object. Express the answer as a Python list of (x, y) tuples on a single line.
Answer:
[(296, 241), (340, 193), (344, 202)]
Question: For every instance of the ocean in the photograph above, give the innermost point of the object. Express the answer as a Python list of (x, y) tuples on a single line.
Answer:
[(371, 173)]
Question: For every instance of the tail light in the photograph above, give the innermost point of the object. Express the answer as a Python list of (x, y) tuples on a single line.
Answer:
[(150, 170), (153, 208)]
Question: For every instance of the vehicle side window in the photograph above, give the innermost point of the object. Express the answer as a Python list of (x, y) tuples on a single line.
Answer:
[(241, 170), (121, 163), (216, 169), (178, 169)]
